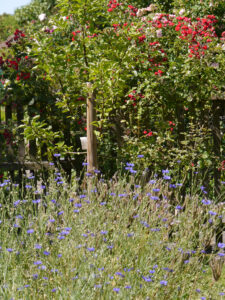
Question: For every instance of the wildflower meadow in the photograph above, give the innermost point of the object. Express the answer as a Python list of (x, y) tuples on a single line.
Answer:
[(138, 211)]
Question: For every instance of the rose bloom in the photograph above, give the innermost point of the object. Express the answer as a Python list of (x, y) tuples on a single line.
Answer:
[(42, 17)]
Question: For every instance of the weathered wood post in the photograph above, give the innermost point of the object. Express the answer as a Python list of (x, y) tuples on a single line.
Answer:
[(91, 137)]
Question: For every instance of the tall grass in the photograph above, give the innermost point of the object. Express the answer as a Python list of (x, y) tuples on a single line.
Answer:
[(108, 239)]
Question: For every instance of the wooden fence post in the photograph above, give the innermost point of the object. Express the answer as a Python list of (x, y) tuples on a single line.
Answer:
[(91, 137)]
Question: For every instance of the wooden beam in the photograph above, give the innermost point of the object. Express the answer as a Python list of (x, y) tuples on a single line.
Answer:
[(91, 137)]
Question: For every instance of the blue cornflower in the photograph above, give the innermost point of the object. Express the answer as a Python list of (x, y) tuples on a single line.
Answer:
[(16, 203), (147, 279), (172, 185), (128, 287), (130, 234), (110, 246), (221, 254), (145, 224), (221, 245), (130, 164), (154, 197), (89, 174), (122, 195), (91, 249), (116, 290), (60, 182), (104, 232), (38, 262), (36, 201), (119, 274), (140, 156), (60, 213), (83, 196), (152, 181), (37, 246), (54, 270), (46, 253), (29, 231), (19, 217), (128, 168), (206, 202), (56, 154), (9, 249), (212, 213), (28, 186), (155, 229), (163, 282), (165, 171), (179, 207)]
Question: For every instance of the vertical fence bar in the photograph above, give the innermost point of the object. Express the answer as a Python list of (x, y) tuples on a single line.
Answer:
[(0, 124), (216, 144), (8, 119), (32, 143), (9, 150), (21, 145), (67, 139)]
